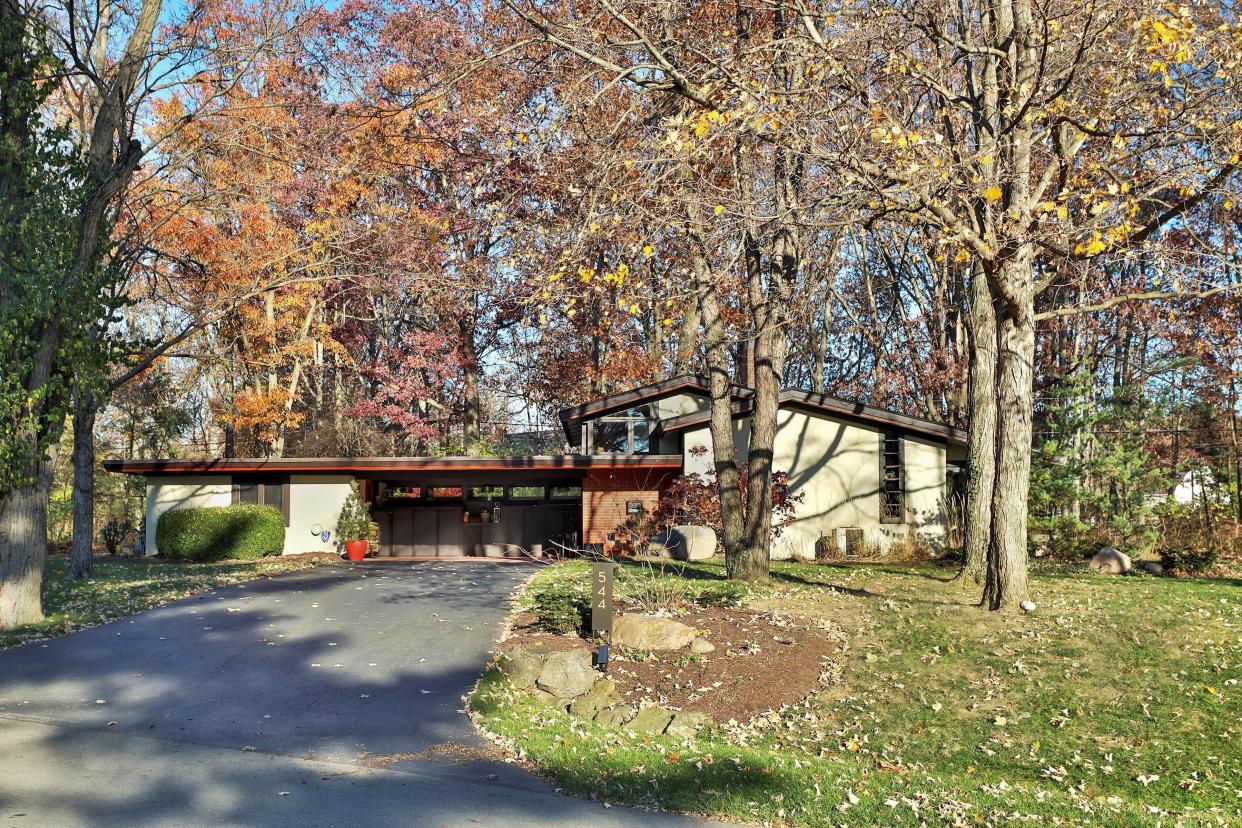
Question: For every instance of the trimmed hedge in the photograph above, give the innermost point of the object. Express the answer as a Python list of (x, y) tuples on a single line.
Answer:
[(218, 533)]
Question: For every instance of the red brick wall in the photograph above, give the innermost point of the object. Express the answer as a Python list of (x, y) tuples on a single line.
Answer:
[(604, 496)]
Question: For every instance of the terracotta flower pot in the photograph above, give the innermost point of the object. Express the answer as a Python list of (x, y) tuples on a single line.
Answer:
[(356, 549)]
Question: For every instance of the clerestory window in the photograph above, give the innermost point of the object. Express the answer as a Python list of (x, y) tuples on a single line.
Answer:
[(627, 432)]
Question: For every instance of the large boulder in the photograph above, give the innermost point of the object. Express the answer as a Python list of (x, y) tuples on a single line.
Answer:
[(567, 675), (1110, 561), (684, 543), (649, 632), (650, 720)]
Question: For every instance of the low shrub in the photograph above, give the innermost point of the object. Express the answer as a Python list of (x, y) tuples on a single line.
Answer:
[(1193, 539), (218, 533), (114, 533), (1191, 557), (560, 608)]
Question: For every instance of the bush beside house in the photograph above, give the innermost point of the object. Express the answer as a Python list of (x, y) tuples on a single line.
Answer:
[(242, 532)]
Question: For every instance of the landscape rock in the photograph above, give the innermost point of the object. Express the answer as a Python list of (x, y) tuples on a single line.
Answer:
[(1111, 561), (650, 720), (696, 543), (1027, 606), (604, 687), (568, 674), (544, 697), (1154, 567), (687, 725), (701, 646), (660, 546), (648, 632), (615, 716), (684, 543), (521, 666), (589, 705)]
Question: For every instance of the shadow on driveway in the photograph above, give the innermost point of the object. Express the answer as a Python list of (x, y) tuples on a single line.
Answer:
[(325, 697)]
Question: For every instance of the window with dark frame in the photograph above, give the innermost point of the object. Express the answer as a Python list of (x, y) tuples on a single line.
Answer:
[(633, 507), (625, 432), (892, 479), (565, 492), (526, 492), (274, 493)]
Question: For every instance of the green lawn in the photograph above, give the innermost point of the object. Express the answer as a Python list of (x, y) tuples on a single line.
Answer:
[(1116, 703), (123, 587)]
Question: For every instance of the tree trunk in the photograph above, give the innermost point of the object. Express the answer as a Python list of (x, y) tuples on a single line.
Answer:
[(687, 339), (724, 446), (1005, 585), (981, 438), (23, 542), (716, 353), (81, 558), (472, 407), (1237, 453)]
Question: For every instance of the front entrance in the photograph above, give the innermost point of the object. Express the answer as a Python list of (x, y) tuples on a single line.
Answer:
[(456, 519)]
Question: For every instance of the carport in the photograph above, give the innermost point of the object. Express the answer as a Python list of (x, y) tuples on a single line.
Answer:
[(458, 515), (446, 507)]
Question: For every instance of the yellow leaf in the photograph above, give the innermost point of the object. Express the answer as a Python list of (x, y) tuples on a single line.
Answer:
[(648, 250), (993, 193), (719, 209)]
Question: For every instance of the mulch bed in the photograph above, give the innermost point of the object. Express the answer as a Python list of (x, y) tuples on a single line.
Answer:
[(761, 662)]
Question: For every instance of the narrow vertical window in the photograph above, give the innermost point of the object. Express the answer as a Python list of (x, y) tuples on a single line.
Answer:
[(892, 480), (248, 493)]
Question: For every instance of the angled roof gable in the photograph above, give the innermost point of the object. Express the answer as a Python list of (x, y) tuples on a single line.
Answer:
[(822, 404), (571, 418)]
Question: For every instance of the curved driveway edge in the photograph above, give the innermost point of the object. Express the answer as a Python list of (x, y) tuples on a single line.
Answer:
[(326, 697)]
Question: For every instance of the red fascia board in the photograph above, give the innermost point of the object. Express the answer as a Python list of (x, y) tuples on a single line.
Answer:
[(397, 464)]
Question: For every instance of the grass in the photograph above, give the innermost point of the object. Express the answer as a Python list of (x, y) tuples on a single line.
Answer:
[(1117, 702), (124, 587)]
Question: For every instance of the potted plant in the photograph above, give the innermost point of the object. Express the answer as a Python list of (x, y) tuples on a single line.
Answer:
[(354, 525)]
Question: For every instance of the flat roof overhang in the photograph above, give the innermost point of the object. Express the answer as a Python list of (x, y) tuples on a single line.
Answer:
[(378, 467)]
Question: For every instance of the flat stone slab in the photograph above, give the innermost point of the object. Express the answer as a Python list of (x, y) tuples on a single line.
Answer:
[(650, 720), (650, 632)]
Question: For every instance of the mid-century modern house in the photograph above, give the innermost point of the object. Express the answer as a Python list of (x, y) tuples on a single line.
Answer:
[(866, 475)]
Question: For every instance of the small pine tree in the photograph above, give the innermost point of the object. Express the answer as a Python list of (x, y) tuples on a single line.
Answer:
[(354, 522)]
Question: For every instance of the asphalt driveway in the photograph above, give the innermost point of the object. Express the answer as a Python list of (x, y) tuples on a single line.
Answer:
[(328, 697)]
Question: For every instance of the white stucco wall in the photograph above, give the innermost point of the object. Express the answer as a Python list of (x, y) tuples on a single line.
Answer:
[(835, 465), (167, 493), (680, 404), (926, 472), (314, 499), (701, 462)]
